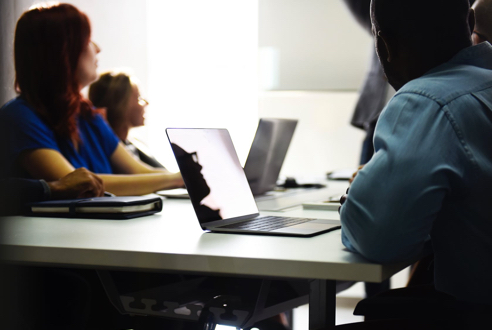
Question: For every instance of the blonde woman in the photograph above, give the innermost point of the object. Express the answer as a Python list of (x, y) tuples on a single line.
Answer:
[(119, 94)]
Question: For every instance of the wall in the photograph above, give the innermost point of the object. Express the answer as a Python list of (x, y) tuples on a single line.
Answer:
[(203, 60), (8, 15), (323, 140), (311, 45)]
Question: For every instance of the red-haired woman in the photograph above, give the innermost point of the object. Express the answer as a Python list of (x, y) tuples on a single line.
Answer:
[(50, 129)]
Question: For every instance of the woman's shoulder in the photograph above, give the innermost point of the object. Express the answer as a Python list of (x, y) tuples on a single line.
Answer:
[(17, 108), (18, 114)]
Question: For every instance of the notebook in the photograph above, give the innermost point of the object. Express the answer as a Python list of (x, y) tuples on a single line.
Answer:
[(120, 207), (267, 153), (219, 190)]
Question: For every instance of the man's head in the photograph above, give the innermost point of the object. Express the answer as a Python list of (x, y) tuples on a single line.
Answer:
[(414, 36), (483, 21)]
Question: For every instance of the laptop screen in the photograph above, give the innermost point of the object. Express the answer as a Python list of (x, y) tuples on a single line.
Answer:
[(215, 180), (267, 153)]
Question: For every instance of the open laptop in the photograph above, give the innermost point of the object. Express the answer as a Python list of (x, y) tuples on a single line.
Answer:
[(265, 158), (267, 153), (219, 190)]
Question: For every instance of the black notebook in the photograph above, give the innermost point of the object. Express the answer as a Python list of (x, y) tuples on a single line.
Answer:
[(121, 207)]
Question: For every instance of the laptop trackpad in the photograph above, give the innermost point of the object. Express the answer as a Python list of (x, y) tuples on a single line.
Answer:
[(308, 227)]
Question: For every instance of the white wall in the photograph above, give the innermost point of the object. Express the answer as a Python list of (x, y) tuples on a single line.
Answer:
[(203, 60), (311, 45), (323, 140)]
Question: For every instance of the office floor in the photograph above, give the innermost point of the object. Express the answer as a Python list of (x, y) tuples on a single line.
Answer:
[(346, 302)]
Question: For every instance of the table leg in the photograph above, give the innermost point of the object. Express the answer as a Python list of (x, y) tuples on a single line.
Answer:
[(322, 298)]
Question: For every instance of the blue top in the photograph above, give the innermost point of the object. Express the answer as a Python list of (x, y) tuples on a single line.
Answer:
[(21, 128), (431, 177)]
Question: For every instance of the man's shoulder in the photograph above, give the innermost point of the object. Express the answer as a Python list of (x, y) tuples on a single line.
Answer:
[(450, 81)]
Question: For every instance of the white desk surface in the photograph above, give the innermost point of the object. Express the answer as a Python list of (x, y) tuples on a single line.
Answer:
[(173, 241)]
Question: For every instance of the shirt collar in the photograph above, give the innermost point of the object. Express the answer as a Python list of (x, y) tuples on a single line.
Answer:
[(479, 55), (470, 54)]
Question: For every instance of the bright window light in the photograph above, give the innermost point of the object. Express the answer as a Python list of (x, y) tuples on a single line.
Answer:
[(202, 64)]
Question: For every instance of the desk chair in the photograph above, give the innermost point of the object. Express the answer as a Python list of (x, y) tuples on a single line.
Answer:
[(419, 306), (461, 321)]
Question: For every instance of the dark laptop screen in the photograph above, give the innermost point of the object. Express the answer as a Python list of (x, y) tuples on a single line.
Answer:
[(267, 153), (215, 180)]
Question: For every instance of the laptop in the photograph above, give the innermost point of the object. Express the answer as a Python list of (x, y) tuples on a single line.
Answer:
[(267, 153), (219, 191), (265, 159)]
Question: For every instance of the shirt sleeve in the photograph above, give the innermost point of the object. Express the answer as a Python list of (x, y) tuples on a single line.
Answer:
[(391, 205), (14, 193), (25, 130), (21, 129)]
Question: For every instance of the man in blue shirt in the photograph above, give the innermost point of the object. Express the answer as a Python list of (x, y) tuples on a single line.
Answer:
[(429, 181)]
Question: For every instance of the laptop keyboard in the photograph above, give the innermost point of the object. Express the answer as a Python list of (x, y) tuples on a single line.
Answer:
[(267, 223)]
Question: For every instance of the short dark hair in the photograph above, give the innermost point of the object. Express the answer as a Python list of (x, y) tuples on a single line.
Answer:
[(431, 21)]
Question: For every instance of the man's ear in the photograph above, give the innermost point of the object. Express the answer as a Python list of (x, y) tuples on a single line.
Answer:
[(382, 47), (471, 20)]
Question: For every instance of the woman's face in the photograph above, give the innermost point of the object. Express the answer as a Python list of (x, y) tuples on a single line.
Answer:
[(86, 68), (136, 108)]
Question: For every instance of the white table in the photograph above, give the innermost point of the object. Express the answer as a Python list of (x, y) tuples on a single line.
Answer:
[(173, 241)]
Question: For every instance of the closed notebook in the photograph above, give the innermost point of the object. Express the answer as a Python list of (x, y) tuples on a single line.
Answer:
[(120, 207)]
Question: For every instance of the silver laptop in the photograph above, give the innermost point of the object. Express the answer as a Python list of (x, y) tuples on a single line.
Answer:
[(219, 190), (267, 153), (265, 158)]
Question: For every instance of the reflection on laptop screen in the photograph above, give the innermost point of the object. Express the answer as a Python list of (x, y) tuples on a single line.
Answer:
[(215, 180)]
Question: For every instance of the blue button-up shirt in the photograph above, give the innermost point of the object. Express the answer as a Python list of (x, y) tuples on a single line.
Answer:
[(431, 177)]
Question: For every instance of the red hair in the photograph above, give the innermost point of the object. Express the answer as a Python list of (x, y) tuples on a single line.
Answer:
[(48, 43)]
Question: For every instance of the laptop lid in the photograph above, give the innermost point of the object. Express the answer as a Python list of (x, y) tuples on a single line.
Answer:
[(267, 153), (213, 176)]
